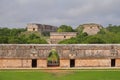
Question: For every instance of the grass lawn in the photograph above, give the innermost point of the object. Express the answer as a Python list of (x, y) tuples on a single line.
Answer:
[(59, 75)]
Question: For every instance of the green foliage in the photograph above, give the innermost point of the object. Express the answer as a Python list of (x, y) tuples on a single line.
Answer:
[(114, 29), (102, 31), (107, 35), (79, 29), (32, 38), (53, 56), (3, 39), (111, 34), (46, 33), (93, 40), (60, 75), (16, 36), (10, 35), (13, 40), (11, 32), (65, 28), (75, 40)]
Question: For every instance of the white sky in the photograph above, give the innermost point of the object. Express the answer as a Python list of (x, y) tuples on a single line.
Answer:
[(17, 13)]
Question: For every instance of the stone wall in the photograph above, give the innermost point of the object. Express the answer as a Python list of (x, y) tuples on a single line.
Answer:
[(55, 37), (91, 29), (15, 63), (85, 55), (26, 51), (93, 62), (64, 63), (34, 27), (41, 27), (118, 62), (41, 63)]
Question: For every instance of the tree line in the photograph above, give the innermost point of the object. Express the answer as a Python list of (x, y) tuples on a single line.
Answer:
[(107, 35), (19, 36)]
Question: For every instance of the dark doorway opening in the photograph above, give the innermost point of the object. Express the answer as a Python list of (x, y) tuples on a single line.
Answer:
[(72, 62), (64, 36), (34, 63), (112, 62), (33, 29)]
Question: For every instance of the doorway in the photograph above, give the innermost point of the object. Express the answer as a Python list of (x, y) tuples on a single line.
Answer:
[(34, 63), (72, 62), (112, 62), (33, 29)]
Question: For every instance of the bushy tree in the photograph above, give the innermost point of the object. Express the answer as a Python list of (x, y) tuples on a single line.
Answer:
[(74, 40), (93, 40), (14, 36), (3, 39), (32, 39), (113, 28), (109, 35), (79, 29), (65, 28), (53, 56)]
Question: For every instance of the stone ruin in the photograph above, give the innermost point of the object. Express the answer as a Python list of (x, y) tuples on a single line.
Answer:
[(70, 55)]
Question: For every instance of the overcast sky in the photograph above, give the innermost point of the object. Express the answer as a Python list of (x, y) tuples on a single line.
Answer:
[(17, 13)]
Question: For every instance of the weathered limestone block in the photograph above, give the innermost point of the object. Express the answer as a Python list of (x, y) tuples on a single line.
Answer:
[(65, 63), (41, 63), (93, 63), (1, 63), (117, 62), (91, 28), (88, 55), (118, 50), (26, 63), (10, 63)]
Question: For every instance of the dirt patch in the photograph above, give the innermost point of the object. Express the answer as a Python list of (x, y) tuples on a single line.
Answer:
[(59, 73)]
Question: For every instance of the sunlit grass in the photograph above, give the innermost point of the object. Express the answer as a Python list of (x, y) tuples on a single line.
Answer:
[(59, 75)]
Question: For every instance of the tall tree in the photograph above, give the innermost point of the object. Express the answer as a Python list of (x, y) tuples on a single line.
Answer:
[(65, 28)]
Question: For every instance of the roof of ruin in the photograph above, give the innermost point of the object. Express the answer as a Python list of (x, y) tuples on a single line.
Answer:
[(40, 25), (63, 33), (89, 25)]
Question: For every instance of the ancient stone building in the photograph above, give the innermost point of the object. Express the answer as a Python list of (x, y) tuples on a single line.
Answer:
[(71, 55), (91, 29), (55, 37), (41, 27)]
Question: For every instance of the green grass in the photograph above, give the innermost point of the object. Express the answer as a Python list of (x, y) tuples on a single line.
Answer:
[(59, 75)]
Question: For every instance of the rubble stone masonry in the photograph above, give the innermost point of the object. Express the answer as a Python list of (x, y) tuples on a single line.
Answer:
[(82, 55)]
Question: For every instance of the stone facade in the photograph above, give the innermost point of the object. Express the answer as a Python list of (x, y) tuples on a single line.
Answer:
[(91, 29), (41, 27), (93, 62), (117, 62), (41, 63), (75, 55), (55, 37)]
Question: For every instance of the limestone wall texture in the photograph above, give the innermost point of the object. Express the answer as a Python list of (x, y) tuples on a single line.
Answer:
[(64, 63), (41, 27), (85, 55), (42, 63), (91, 29), (55, 37), (118, 62), (93, 62), (15, 63)]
